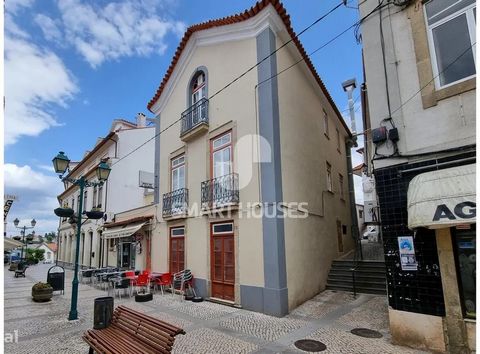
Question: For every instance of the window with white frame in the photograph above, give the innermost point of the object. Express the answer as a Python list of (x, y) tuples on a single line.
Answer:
[(329, 177), (100, 196), (94, 197), (451, 28), (85, 198), (178, 172)]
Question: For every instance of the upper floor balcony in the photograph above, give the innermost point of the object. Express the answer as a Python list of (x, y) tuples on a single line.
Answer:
[(195, 120), (220, 192), (175, 203)]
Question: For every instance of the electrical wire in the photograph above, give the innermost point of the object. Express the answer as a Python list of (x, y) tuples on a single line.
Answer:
[(357, 23), (239, 77)]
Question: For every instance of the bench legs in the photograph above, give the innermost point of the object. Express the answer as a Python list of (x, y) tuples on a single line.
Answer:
[(90, 351)]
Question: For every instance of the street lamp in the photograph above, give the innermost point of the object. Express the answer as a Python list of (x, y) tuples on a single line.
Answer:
[(60, 164), (24, 228)]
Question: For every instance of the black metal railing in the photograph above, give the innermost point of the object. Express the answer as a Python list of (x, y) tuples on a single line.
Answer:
[(220, 191), (175, 202), (194, 116)]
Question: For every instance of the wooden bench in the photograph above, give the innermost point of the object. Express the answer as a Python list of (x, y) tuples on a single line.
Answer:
[(132, 332)]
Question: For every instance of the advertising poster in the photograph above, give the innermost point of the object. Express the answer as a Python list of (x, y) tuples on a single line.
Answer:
[(407, 253)]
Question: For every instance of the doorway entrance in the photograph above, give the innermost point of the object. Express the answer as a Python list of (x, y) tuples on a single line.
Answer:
[(222, 260), (126, 255)]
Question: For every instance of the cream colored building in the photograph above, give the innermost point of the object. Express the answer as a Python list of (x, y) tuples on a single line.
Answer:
[(227, 157), (420, 95), (121, 192)]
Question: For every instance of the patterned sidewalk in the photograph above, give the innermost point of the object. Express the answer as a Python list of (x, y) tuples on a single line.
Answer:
[(211, 328)]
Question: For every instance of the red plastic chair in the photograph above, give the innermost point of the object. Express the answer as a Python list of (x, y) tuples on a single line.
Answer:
[(164, 280), (143, 281)]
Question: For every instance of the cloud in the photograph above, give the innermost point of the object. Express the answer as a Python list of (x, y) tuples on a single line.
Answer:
[(36, 80), (36, 193), (49, 28), (13, 6), (129, 28)]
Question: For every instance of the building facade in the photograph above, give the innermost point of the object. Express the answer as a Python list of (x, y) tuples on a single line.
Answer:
[(419, 112), (238, 166), (121, 192)]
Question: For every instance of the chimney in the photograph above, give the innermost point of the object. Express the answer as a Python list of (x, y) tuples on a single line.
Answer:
[(141, 120)]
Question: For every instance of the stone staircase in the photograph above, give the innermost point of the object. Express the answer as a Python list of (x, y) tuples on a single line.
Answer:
[(370, 277)]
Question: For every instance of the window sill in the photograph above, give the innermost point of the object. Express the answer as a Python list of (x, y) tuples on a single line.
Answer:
[(330, 191), (342, 199), (327, 136), (339, 151), (456, 89)]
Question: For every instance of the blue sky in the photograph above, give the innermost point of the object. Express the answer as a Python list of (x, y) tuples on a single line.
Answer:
[(73, 66)]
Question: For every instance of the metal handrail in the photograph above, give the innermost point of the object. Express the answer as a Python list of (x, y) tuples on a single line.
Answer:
[(220, 191), (194, 116), (175, 202)]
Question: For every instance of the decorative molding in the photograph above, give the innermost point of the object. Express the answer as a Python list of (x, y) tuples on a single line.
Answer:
[(247, 29)]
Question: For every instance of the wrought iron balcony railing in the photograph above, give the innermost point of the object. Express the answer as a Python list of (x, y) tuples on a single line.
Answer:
[(175, 203), (220, 191), (194, 116)]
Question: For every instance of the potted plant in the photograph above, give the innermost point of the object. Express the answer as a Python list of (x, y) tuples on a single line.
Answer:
[(96, 213), (42, 292), (17, 238), (63, 212)]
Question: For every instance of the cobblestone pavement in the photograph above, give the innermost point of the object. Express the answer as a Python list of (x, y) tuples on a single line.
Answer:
[(211, 328)]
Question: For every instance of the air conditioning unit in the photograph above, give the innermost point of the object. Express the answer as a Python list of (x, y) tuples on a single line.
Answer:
[(108, 217)]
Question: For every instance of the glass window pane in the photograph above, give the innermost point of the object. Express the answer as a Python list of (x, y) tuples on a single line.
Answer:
[(440, 9), (223, 228), (466, 246), (451, 39), (179, 231)]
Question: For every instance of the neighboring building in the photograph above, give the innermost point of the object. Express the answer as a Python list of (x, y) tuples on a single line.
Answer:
[(419, 97), (121, 192), (360, 218), (50, 251), (210, 161)]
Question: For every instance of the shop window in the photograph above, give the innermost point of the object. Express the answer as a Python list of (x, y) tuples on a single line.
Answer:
[(465, 249)]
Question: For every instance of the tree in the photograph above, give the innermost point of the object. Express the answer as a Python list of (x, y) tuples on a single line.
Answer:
[(50, 236), (35, 255)]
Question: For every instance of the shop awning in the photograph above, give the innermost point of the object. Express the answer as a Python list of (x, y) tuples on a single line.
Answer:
[(122, 231), (442, 198), (10, 244)]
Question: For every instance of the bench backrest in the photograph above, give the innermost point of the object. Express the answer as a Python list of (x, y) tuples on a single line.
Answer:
[(155, 333)]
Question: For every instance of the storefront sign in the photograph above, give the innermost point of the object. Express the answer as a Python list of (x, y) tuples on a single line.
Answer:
[(408, 260), (443, 198)]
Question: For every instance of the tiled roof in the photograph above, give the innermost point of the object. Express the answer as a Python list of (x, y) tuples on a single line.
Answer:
[(247, 14)]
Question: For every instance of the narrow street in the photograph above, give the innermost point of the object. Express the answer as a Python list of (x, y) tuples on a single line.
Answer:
[(211, 328)]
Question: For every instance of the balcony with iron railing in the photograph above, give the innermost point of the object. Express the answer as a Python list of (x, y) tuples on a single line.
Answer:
[(220, 192), (175, 203), (194, 120)]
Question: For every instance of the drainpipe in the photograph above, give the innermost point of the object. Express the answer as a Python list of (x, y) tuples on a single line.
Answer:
[(348, 87), (351, 196)]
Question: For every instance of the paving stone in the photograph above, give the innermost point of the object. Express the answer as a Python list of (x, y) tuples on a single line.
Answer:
[(207, 341), (373, 315), (211, 327), (343, 342), (261, 326)]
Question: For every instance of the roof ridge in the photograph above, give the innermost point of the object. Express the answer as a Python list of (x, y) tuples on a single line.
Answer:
[(232, 19)]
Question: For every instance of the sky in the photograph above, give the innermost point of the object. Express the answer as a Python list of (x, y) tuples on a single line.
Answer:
[(72, 66)]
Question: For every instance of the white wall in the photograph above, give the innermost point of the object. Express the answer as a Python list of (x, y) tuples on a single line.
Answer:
[(123, 192)]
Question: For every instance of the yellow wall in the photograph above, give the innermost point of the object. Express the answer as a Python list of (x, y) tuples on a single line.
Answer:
[(311, 244)]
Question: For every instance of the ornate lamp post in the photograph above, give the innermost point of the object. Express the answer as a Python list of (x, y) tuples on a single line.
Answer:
[(24, 229), (60, 164)]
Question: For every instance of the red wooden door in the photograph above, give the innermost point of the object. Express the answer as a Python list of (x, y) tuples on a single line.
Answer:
[(177, 250), (223, 265)]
